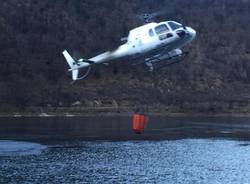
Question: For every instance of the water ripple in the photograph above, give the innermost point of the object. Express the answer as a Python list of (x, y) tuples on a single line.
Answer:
[(173, 161)]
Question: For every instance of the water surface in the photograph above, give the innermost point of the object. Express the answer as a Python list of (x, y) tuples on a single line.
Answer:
[(105, 150), (120, 128), (174, 161)]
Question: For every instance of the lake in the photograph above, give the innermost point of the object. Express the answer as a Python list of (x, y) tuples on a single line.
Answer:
[(105, 150)]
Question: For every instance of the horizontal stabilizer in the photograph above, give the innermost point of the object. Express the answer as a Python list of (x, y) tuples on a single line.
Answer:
[(87, 61)]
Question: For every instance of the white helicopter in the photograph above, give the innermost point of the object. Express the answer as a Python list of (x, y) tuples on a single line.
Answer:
[(154, 42)]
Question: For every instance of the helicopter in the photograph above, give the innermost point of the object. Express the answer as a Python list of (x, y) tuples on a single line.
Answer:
[(158, 44)]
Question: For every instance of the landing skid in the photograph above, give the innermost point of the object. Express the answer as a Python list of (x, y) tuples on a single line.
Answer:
[(159, 64)]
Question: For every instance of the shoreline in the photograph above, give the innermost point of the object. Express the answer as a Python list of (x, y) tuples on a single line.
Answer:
[(119, 114), (122, 111)]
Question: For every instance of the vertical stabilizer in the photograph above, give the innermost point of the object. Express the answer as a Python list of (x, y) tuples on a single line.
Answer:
[(72, 64)]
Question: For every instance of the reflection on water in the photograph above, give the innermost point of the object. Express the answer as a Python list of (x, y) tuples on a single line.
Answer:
[(8, 148), (174, 161), (120, 128)]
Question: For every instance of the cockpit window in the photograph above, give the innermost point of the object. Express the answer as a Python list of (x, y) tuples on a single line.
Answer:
[(162, 31), (174, 25), (151, 33)]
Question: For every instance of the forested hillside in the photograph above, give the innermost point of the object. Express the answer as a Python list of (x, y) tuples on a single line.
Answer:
[(215, 77)]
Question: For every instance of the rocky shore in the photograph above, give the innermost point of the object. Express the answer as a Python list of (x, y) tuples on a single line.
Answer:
[(169, 111)]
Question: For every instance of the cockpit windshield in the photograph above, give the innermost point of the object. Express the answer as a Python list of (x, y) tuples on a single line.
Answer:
[(162, 31), (174, 25)]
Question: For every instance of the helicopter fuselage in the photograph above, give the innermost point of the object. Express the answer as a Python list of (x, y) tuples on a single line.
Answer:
[(151, 38)]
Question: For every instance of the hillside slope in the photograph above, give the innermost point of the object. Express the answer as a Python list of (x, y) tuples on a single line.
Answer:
[(215, 77)]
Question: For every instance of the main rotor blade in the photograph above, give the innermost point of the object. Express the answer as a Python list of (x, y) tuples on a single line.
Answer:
[(147, 17)]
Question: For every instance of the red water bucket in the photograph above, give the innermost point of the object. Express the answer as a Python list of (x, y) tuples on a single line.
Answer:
[(139, 123)]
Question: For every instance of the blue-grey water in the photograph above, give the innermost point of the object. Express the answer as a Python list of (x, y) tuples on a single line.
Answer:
[(174, 161), (172, 150)]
